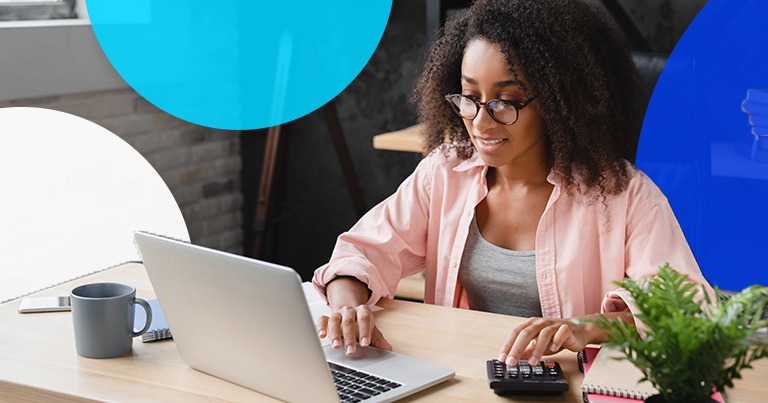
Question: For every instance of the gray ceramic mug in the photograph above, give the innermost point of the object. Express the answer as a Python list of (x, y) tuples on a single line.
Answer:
[(103, 317)]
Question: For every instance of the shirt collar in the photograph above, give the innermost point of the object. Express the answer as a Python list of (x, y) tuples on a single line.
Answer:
[(473, 162)]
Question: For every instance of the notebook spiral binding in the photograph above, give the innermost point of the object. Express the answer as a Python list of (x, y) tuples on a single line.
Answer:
[(629, 394), (66, 281), (581, 358), (587, 389)]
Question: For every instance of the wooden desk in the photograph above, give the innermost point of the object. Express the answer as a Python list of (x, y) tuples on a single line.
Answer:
[(411, 288), (408, 139), (38, 361)]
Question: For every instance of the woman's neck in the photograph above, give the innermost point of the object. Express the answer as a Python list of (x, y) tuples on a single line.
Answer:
[(523, 172)]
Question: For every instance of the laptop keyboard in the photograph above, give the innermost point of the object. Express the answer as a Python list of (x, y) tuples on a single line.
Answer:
[(355, 386)]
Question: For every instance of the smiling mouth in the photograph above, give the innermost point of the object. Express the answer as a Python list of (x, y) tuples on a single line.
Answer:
[(491, 142)]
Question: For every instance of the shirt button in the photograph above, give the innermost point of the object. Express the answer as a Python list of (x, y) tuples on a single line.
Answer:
[(469, 213), (454, 264)]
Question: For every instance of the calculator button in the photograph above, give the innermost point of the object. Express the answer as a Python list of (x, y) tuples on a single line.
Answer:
[(525, 378)]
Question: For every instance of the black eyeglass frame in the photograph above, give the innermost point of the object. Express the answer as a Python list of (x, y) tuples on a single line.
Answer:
[(489, 107)]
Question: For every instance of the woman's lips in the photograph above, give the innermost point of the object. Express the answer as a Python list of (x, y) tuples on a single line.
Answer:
[(489, 145)]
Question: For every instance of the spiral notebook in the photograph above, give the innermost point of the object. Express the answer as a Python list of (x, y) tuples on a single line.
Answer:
[(159, 329), (609, 380)]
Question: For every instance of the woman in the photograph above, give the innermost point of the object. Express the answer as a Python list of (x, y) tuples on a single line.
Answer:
[(531, 210)]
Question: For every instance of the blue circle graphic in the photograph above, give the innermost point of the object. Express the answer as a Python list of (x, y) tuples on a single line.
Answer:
[(705, 140), (238, 64)]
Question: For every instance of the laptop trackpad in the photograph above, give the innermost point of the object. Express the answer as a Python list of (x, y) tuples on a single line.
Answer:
[(363, 357)]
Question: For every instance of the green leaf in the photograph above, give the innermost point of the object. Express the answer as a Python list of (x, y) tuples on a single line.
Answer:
[(693, 342)]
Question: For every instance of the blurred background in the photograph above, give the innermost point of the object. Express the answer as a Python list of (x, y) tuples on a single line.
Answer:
[(51, 60)]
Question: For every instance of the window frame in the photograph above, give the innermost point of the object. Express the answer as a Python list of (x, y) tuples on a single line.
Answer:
[(35, 10)]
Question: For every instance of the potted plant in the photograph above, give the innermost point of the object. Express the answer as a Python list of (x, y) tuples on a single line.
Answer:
[(689, 345)]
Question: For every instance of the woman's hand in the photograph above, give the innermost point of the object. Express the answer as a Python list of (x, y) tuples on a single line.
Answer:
[(351, 321), (350, 325), (538, 337)]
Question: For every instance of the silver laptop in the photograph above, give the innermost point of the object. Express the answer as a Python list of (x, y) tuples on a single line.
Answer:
[(248, 322)]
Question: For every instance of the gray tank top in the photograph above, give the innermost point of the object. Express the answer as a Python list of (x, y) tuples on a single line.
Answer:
[(499, 280)]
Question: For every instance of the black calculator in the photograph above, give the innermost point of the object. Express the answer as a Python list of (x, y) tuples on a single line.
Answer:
[(546, 378)]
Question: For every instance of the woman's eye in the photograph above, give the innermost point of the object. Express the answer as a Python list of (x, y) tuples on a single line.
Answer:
[(509, 102)]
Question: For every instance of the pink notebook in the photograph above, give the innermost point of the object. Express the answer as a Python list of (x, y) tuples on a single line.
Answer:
[(609, 380)]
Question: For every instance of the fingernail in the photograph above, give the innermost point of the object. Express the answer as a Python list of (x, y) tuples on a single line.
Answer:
[(321, 333), (336, 343), (553, 347), (511, 360), (350, 349), (364, 341), (502, 357)]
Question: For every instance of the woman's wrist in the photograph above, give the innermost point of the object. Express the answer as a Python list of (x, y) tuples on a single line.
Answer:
[(346, 291), (595, 333)]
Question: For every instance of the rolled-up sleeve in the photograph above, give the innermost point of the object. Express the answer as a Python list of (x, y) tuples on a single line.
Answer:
[(387, 243), (653, 238)]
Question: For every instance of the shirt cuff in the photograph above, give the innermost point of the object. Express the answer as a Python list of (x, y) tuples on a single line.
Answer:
[(620, 300), (321, 282)]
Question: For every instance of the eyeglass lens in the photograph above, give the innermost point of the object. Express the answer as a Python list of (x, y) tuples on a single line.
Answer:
[(500, 111)]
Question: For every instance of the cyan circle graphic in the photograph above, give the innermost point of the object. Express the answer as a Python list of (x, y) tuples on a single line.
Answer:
[(705, 140), (238, 65)]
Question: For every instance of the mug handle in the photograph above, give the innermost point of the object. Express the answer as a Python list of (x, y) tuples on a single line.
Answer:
[(148, 309)]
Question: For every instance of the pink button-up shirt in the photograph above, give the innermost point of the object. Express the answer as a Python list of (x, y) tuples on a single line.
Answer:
[(581, 247)]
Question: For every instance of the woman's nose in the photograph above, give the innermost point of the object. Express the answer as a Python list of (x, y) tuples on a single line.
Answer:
[(483, 121)]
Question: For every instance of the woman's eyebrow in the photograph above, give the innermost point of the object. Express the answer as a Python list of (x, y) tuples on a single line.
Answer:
[(498, 84), (508, 83)]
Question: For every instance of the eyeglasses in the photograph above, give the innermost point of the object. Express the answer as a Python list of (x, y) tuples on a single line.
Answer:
[(504, 112)]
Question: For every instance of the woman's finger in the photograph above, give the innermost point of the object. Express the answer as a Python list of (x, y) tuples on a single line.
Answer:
[(504, 353), (519, 339), (572, 338), (322, 326), (334, 330), (378, 340), (543, 341), (349, 329), (364, 325), (523, 344)]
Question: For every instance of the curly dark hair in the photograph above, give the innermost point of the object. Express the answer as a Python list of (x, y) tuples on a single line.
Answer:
[(577, 65)]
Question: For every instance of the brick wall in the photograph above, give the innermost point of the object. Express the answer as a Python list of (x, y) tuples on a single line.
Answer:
[(201, 166)]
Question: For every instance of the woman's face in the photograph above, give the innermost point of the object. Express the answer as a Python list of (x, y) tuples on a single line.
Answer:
[(486, 76)]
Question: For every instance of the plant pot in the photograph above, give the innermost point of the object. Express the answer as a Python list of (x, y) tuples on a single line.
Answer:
[(660, 399)]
